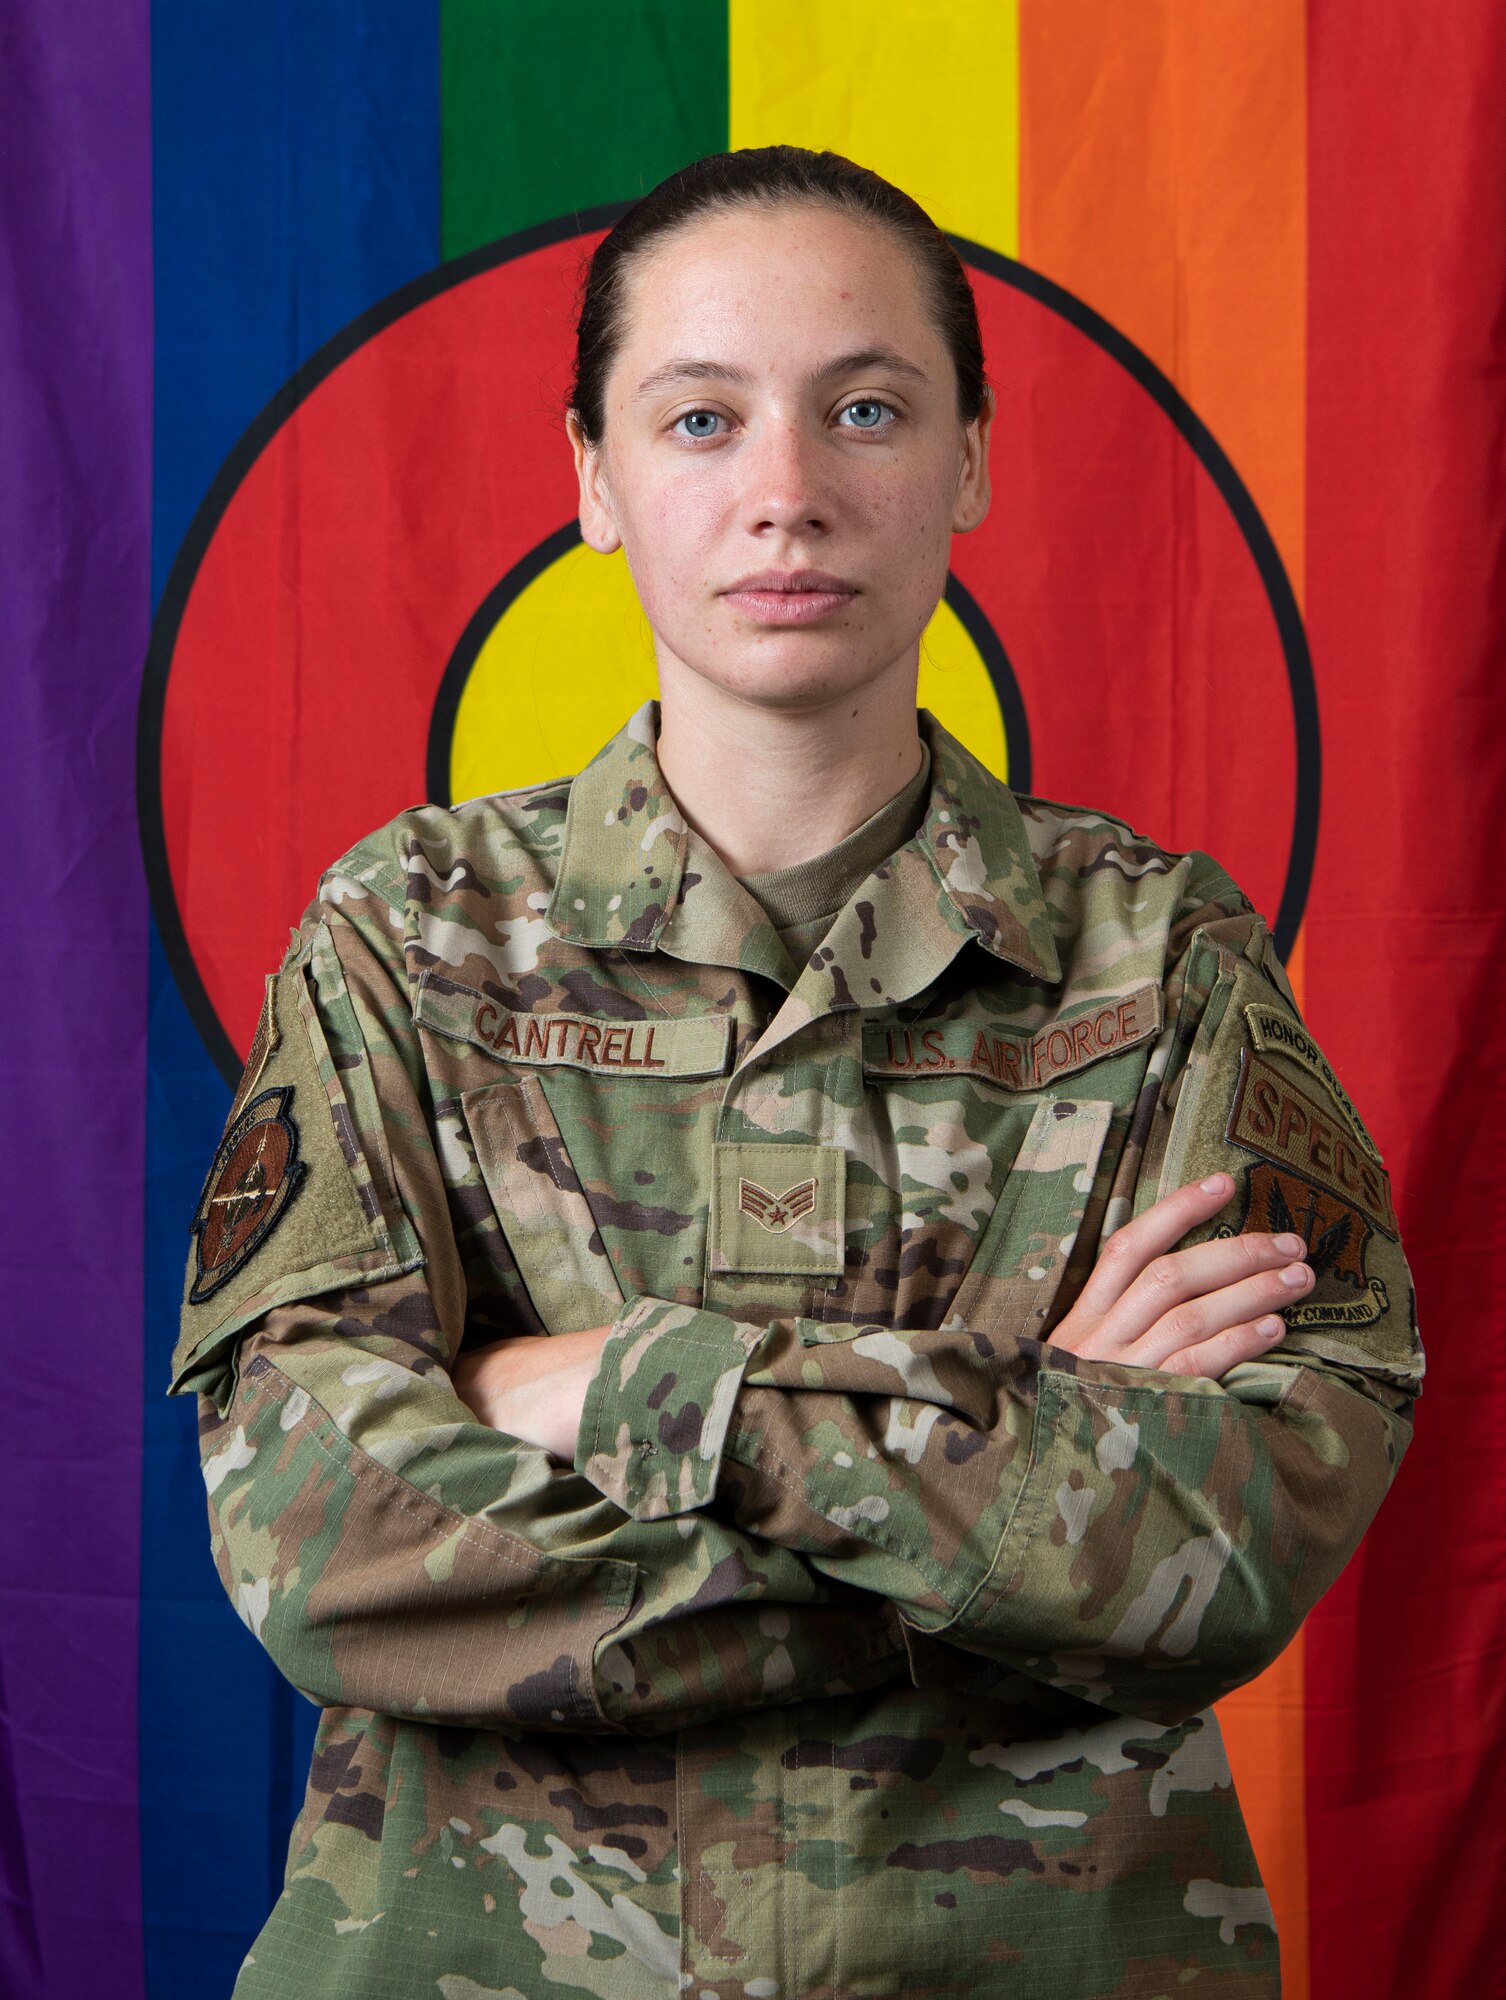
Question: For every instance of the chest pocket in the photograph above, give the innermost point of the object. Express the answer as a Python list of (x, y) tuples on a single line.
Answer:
[(541, 1205), (1022, 1256), (998, 1133), (1027, 1245), (594, 1144)]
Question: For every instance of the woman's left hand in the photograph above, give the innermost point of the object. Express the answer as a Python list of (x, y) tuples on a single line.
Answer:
[(533, 1388)]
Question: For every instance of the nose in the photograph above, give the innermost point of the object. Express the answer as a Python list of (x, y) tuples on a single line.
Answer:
[(784, 484)]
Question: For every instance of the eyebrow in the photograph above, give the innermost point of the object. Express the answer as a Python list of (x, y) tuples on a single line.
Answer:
[(692, 370)]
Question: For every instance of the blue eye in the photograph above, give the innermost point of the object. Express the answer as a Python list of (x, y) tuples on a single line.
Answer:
[(871, 419), (692, 417)]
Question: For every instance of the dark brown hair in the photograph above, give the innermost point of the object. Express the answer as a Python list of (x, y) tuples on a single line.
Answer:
[(767, 176)]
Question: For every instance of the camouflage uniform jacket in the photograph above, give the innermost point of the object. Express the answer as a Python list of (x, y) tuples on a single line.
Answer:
[(868, 1645)]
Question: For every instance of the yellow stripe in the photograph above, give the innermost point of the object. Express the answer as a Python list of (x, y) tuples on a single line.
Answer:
[(927, 96)]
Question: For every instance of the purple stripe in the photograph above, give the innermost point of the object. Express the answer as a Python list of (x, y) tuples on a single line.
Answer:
[(75, 494)]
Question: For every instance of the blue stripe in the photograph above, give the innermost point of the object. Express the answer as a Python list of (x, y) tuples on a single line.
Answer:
[(295, 183)]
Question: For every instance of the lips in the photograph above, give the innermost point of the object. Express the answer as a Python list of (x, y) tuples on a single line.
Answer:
[(792, 579), (790, 597)]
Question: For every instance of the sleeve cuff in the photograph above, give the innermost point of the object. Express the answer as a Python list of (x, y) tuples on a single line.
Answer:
[(659, 1407)]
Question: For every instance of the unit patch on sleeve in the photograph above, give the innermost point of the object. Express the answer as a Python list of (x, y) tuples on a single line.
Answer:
[(1317, 1179), (1336, 1235), (1274, 1030), (253, 1178), (1281, 1123)]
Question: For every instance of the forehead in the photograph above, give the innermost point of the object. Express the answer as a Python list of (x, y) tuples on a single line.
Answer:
[(798, 274)]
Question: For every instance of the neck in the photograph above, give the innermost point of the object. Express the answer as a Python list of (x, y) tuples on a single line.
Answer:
[(770, 787)]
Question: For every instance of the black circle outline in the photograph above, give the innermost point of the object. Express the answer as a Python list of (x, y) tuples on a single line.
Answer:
[(447, 697), (452, 685), (168, 620), (990, 646)]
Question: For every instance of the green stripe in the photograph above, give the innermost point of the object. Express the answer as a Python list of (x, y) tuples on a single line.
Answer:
[(549, 106)]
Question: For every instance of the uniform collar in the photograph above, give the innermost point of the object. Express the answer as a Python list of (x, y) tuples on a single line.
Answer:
[(633, 875)]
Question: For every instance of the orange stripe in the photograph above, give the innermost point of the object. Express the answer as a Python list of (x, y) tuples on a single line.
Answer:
[(1163, 179)]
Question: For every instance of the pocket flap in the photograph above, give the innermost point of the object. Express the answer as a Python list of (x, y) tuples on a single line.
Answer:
[(1021, 1258)]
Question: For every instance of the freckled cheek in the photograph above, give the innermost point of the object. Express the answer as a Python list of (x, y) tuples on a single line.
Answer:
[(663, 525), (671, 549), (914, 529)]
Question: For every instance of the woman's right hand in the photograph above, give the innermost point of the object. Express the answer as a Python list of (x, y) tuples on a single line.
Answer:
[(1188, 1312)]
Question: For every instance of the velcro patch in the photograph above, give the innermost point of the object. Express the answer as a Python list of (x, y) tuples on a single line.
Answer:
[(1336, 1235), (695, 1045), (778, 1208), (1281, 1123), (1004, 1056), (254, 1176), (1275, 1031)]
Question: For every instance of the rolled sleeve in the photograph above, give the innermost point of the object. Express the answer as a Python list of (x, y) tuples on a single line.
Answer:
[(658, 1410)]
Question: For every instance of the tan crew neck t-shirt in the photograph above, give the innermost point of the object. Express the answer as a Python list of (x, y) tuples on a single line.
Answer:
[(802, 901)]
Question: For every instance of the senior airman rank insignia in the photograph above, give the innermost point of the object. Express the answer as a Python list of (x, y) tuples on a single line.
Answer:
[(253, 1178), (776, 1212), (778, 1207)]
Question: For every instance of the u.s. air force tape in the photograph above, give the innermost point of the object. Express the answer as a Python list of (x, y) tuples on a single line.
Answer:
[(1010, 1057)]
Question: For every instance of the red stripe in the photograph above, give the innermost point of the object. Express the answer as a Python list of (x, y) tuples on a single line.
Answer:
[(1407, 617)]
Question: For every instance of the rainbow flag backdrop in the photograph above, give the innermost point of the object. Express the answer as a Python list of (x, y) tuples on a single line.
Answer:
[(289, 544)]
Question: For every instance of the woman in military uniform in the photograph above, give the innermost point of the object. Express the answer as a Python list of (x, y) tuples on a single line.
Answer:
[(978, 1330)]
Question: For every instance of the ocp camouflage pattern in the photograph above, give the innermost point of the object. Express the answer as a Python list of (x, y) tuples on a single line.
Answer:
[(869, 1644)]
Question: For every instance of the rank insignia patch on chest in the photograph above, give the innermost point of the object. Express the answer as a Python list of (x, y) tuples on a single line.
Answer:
[(756, 1228), (254, 1176), (776, 1212)]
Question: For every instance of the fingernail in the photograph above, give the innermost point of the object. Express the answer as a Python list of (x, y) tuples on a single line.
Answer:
[(1269, 1328), (1217, 1184), (1290, 1246), (1297, 1276)]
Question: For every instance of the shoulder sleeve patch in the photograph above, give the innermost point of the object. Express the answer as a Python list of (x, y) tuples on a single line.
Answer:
[(254, 1177), (288, 1209), (1277, 1031), (1260, 1100)]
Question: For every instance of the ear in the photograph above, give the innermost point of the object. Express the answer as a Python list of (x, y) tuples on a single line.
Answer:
[(598, 517), (972, 480)]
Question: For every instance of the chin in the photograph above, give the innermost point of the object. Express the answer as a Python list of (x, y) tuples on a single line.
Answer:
[(795, 669), (791, 682)]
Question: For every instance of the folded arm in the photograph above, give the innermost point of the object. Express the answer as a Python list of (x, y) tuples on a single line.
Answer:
[(1145, 1538), (388, 1549)]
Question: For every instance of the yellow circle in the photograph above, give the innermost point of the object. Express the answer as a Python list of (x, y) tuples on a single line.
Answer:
[(572, 656)]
